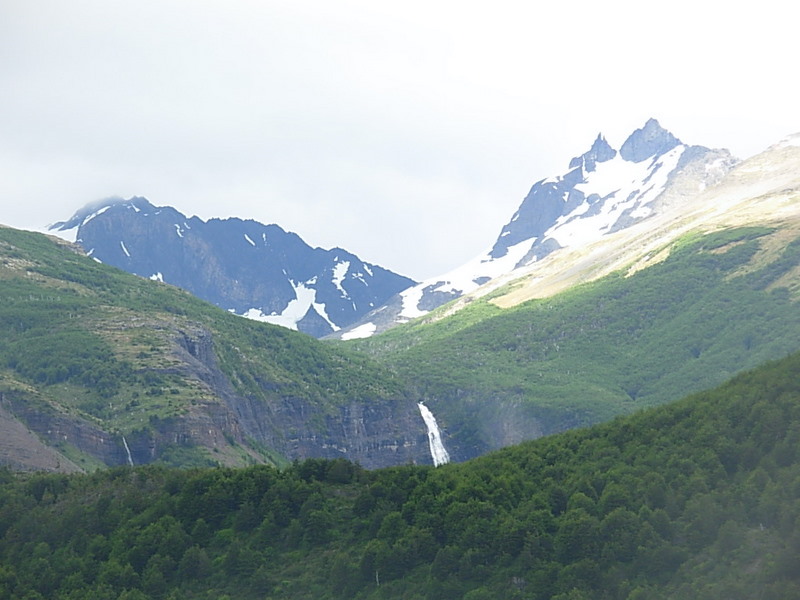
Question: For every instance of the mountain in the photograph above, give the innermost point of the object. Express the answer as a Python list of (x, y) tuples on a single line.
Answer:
[(259, 271), (603, 192), (698, 499), (674, 304), (106, 364), (99, 367)]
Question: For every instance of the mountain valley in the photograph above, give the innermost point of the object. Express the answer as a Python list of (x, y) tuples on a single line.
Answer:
[(605, 405), (696, 499), (685, 273)]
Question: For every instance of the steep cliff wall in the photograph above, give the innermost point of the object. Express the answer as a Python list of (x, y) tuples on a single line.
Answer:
[(374, 433)]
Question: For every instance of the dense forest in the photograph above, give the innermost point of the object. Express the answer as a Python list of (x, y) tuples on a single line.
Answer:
[(695, 499)]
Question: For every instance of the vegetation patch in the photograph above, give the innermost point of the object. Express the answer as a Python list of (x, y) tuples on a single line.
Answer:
[(718, 304), (696, 499)]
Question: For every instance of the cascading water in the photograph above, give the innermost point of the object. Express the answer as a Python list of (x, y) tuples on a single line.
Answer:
[(438, 451), (127, 451)]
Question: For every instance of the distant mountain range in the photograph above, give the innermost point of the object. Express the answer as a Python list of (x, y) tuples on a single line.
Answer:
[(265, 273), (255, 270)]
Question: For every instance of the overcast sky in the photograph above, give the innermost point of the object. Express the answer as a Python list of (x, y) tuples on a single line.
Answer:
[(406, 132)]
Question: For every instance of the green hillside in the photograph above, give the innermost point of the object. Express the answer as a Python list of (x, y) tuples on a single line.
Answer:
[(692, 500), (96, 352), (719, 303)]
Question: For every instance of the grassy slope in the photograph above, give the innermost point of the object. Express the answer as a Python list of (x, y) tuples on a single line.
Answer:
[(99, 344), (695, 499), (718, 304)]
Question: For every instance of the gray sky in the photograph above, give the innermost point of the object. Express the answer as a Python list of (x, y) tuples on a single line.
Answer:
[(406, 132)]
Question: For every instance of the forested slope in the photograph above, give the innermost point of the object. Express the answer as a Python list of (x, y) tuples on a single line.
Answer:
[(695, 499), (705, 307), (109, 368)]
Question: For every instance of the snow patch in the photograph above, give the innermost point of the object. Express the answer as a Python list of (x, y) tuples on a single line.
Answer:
[(624, 186), (70, 235), (124, 249), (157, 277), (95, 214), (339, 273), (410, 299), (305, 298), (178, 230), (462, 280), (362, 331), (249, 241)]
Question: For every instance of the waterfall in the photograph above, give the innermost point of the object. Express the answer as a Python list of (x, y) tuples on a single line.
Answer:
[(127, 451), (438, 451)]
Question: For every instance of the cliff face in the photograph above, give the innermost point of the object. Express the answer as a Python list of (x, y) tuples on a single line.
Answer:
[(227, 428), (22, 449), (50, 435), (99, 367), (375, 434)]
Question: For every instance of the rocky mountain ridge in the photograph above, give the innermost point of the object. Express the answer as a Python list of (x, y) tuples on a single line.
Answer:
[(255, 270), (604, 191)]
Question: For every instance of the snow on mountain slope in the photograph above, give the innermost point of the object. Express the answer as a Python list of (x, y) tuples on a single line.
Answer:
[(255, 270), (762, 190), (604, 191)]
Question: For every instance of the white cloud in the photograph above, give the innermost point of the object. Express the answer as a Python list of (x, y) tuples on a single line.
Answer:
[(342, 120)]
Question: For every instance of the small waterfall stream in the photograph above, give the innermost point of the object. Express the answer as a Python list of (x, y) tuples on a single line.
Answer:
[(127, 450), (438, 451)]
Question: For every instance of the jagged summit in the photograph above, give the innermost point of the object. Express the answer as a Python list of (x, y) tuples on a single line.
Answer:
[(650, 141), (604, 190), (92, 209), (600, 151), (609, 186)]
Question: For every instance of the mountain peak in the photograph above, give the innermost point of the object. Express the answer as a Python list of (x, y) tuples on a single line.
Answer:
[(651, 140), (600, 151), (92, 209), (256, 270)]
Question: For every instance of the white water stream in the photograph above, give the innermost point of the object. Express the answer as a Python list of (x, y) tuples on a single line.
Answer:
[(438, 451), (127, 451)]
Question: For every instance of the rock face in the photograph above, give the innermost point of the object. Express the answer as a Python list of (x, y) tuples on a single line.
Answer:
[(603, 191), (21, 449), (651, 140), (374, 434), (259, 271), (228, 428), (55, 430)]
